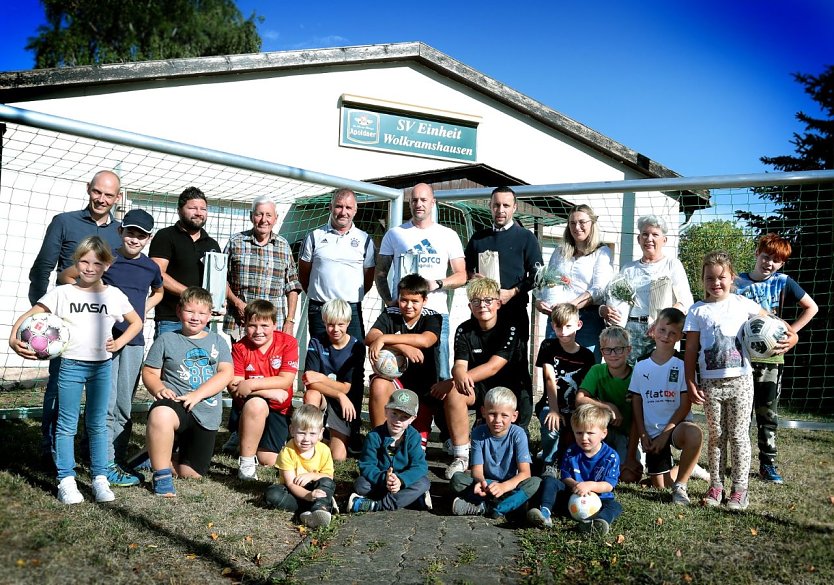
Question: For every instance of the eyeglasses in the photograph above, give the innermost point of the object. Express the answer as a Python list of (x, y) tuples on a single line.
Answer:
[(579, 223), (479, 302), (619, 350)]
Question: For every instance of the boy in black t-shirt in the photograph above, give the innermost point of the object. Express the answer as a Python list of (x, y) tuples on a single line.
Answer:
[(414, 331), (564, 363), (488, 353)]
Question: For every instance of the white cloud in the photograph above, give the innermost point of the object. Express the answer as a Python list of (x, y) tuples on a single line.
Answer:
[(320, 42)]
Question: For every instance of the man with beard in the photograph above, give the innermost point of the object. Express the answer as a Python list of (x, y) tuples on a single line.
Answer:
[(179, 250)]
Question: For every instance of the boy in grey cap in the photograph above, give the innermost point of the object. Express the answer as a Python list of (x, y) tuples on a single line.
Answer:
[(393, 472)]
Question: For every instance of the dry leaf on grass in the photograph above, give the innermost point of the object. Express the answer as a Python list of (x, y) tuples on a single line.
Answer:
[(754, 531), (620, 539), (659, 521), (214, 536), (678, 553), (687, 577), (831, 500)]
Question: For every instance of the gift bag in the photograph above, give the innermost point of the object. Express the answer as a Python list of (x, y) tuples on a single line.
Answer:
[(661, 295), (215, 268), (488, 265)]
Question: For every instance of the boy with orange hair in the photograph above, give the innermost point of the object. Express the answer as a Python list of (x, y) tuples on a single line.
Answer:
[(772, 290)]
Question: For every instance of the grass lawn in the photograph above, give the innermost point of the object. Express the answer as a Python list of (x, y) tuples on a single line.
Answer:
[(785, 536), (218, 531)]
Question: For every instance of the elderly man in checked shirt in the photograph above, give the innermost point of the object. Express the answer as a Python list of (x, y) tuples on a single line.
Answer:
[(261, 267)]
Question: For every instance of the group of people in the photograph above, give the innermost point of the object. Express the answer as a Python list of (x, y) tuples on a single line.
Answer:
[(596, 418)]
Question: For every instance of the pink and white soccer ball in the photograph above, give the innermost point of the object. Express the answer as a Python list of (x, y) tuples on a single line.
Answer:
[(46, 334), (583, 507), (389, 364), (760, 334)]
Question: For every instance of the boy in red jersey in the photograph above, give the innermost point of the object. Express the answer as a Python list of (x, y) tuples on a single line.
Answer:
[(265, 366)]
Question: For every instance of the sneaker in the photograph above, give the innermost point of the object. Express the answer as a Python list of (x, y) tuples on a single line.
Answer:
[(539, 517), (551, 470), (597, 527), (315, 519), (458, 464), (461, 507), (769, 473), (163, 483), (68, 492), (714, 496), (700, 473), (679, 495), (101, 489), (738, 501), (248, 468), (427, 500), (232, 444), (357, 503), (118, 477)]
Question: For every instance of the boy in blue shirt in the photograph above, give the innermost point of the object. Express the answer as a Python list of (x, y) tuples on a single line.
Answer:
[(589, 465), (393, 472), (334, 373), (772, 290), (499, 480)]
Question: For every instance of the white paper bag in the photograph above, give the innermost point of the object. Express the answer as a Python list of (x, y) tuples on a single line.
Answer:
[(215, 268), (488, 265)]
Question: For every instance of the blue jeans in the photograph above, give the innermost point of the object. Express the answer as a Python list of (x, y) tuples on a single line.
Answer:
[(407, 496), (49, 418), (73, 377), (127, 363), (462, 485), (316, 325), (550, 440), (444, 371), (165, 327), (588, 336), (555, 495)]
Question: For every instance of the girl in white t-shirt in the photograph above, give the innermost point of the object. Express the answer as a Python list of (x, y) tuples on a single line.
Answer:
[(89, 308), (725, 384)]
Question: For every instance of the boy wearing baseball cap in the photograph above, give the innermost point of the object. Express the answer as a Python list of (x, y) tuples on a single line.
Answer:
[(140, 279), (393, 472)]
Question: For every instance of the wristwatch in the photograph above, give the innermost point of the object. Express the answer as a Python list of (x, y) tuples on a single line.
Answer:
[(439, 283)]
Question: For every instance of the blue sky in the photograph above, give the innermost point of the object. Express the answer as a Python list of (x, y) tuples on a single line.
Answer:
[(704, 88)]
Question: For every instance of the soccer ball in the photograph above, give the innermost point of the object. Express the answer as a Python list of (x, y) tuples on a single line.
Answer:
[(760, 334), (45, 333), (389, 364), (583, 507)]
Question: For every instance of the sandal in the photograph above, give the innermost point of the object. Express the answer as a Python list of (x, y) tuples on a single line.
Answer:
[(163, 483)]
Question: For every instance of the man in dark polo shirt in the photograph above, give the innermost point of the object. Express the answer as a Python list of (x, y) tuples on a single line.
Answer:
[(179, 251)]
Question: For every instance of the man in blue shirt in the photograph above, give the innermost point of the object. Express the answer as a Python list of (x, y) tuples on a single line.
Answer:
[(62, 236)]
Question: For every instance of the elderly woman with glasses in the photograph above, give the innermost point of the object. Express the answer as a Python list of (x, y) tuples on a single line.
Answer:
[(584, 264), (658, 281)]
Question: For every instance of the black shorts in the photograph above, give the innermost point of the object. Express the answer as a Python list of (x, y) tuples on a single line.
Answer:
[(276, 432), (195, 443), (661, 462)]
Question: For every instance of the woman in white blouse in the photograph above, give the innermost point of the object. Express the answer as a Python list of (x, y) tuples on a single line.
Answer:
[(658, 282), (585, 264)]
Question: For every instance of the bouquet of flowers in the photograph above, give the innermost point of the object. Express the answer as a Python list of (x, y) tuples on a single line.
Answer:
[(620, 295), (552, 285)]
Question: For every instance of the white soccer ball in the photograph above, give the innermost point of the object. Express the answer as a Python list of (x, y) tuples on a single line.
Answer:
[(389, 364), (760, 334), (583, 507), (45, 333)]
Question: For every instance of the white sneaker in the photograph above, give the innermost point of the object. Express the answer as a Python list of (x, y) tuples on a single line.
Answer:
[(101, 489), (68, 491), (700, 473), (248, 468), (427, 500), (458, 464)]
